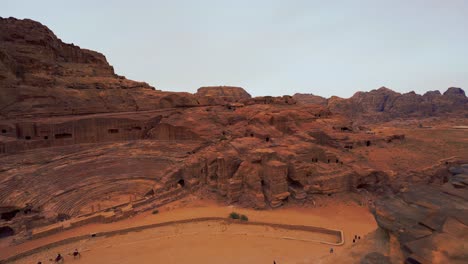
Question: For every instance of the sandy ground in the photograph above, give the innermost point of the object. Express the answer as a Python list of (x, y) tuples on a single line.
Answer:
[(210, 242)]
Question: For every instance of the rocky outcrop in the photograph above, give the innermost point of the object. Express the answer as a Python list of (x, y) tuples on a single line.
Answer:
[(430, 222), (42, 76), (222, 94), (309, 99), (76, 140), (384, 104)]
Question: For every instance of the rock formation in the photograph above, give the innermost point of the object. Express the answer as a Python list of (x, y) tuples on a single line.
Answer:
[(430, 222), (310, 99), (226, 93), (42, 76), (384, 104), (79, 141)]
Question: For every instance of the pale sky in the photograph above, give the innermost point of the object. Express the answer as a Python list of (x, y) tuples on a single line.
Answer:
[(269, 47)]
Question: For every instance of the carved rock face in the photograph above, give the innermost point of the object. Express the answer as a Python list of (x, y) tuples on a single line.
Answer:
[(42, 76)]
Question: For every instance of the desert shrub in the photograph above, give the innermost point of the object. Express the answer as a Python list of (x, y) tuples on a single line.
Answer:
[(234, 215), (156, 211), (244, 218)]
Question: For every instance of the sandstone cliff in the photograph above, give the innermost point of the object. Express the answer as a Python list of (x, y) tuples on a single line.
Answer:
[(41, 75)]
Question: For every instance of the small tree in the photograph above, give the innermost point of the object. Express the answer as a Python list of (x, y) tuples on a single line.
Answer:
[(234, 215), (244, 218)]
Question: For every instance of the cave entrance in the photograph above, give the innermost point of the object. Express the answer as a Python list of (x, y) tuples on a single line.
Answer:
[(295, 184), (368, 143), (62, 217), (181, 182), (7, 216), (267, 139), (3, 131), (6, 231), (150, 193), (411, 260), (363, 186), (113, 131), (63, 135)]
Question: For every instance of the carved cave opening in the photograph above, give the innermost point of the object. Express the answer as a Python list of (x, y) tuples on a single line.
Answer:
[(63, 135), (9, 215), (363, 186), (295, 184), (62, 217), (6, 231), (181, 182), (113, 131)]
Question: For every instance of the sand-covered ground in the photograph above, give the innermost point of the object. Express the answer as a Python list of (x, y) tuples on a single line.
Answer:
[(212, 241)]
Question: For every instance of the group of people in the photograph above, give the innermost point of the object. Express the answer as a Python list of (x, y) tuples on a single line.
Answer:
[(356, 238), (59, 258)]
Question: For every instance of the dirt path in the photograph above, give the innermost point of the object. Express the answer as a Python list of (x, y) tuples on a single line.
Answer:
[(209, 242)]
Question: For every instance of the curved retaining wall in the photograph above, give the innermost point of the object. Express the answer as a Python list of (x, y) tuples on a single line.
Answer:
[(338, 233)]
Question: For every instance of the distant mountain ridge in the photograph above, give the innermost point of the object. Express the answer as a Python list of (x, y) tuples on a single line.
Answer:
[(42, 76), (384, 103)]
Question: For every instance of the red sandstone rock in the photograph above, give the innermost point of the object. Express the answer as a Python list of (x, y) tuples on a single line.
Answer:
[(42, 76), (76, 139), (223, 93), (310, 99), (384, 104)]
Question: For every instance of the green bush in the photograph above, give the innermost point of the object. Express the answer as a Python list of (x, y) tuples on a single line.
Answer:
[(234, 215), (244, 218), (156, 211)]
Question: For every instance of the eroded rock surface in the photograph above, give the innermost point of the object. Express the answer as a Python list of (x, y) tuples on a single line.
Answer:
[(42, 76), (430, 222), (384, 104), (310, 99)]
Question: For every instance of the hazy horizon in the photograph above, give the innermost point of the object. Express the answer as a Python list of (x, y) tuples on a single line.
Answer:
[(269, 47)]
